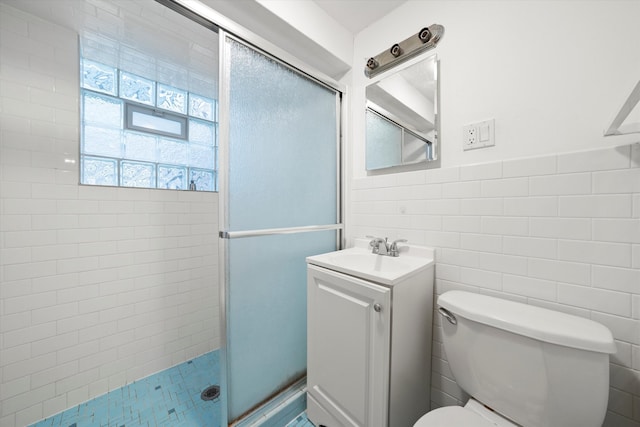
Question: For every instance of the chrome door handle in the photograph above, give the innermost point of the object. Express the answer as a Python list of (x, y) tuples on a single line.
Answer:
[(377, 308)]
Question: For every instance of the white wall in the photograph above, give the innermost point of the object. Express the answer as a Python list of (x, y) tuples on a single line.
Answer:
[(98, 286), (551, 215), (552, 74)]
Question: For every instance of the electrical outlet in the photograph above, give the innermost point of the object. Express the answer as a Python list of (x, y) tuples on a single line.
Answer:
[(470, 137), (478, 135)]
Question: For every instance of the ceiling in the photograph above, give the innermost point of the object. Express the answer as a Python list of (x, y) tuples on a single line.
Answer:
[(356, 15)]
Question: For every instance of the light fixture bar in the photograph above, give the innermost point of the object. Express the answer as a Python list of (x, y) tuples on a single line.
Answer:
[(426, 39)]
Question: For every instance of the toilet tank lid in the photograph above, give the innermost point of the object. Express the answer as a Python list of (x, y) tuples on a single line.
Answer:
[(530, 321)]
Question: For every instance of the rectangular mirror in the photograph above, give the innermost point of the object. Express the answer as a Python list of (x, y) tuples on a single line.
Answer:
[(402, 125)]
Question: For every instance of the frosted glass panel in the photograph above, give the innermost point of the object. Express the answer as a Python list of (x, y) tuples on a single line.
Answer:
[(282, 146), (268, 312), (282, 173)]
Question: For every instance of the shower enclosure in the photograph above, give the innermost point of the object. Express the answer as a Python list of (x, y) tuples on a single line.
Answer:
[(279, 198)]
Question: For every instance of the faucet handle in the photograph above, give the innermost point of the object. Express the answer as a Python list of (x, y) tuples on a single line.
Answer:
[(393, 250)]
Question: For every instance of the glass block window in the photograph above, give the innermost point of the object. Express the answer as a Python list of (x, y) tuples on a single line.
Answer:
[(138, 132)]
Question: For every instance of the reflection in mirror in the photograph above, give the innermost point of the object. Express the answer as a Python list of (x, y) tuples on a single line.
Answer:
[(402, 117)]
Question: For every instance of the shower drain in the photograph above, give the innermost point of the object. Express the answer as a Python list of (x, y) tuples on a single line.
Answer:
[(210, 393)]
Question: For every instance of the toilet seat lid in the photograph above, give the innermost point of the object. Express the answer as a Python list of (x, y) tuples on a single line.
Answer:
[(452, 416)]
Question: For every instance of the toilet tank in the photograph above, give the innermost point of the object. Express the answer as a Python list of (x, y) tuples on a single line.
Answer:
[(538, 367)]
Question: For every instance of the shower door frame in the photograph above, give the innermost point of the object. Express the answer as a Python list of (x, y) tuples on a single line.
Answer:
[(223, 184)]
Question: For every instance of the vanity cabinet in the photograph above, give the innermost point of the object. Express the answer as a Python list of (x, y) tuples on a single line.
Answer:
[(369, 349)]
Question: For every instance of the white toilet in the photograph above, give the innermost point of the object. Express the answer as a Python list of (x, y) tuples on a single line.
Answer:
[(522, 365)]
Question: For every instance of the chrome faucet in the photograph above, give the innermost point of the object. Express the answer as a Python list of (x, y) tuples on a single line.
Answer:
[(382, 246)]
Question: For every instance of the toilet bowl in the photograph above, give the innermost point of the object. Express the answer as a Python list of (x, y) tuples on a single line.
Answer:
[(473, 414), (522, 365)]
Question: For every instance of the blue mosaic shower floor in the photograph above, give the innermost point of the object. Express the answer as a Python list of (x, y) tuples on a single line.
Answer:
[(170, 398)]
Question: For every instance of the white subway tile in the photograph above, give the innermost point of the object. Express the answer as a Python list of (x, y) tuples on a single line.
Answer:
[(597, 206), (76, 323), (529, 287), (15, 256), (635, 259), (481, 242), (488, 206), (53, 374), (617, 303), (530, 246), (53, 343), (561, 228), (78, 293), (15, 222), (54, 222), (481, 278), (620, 402), (469, 224), (16, 288), (560, 271), (443, 207), (503, 263), (74, 265), (54, 252), (463, 258), (29, 270), (614, 254), (595, 160), (481, 171), (411, 178), (507, 226), (616, 279), (30, 334), (636, 206), (577, 183), (635, 155), (78, 351), (617, 230), (617, 181), (20, 239), (15, 321), (508, 187), (53, 312), (442, 239), (442, 175), (447, 272), (529, 166), (459, 190)]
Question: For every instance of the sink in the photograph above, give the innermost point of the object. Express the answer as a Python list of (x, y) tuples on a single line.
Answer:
[(360, 262)]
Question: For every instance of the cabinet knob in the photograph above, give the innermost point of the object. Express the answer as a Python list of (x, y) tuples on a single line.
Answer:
[(377, 308)]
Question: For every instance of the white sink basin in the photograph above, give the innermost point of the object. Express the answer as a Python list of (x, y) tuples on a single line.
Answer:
[(360, 262)]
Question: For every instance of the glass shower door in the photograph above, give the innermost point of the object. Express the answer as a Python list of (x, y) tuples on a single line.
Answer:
[(281, 204)]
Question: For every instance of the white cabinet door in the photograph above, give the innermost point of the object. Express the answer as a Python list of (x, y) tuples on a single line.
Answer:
[(348, 348)]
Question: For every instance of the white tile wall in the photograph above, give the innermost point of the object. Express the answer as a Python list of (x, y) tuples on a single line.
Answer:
[(98, 286), (562, 232)]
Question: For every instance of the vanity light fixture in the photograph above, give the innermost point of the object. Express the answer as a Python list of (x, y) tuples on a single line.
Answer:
[(426, 39)]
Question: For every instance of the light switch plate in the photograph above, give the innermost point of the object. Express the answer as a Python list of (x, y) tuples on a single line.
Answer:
[(478, 135)]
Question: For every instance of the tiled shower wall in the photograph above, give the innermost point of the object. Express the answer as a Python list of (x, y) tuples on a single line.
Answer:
[(98, 286), (560, 231)]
